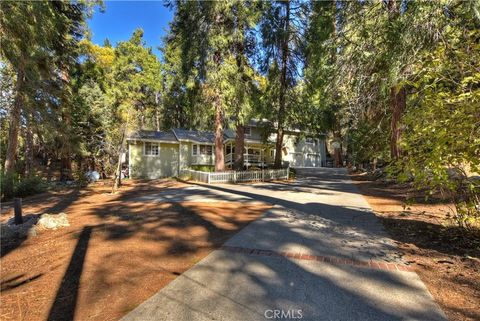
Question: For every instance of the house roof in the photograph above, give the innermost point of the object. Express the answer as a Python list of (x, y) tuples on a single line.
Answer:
[(257, 122), (194, 135), (229, 133), (180, 134), (154, 135)]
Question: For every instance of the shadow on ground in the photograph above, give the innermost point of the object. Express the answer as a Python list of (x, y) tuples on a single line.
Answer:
[(134, 248)]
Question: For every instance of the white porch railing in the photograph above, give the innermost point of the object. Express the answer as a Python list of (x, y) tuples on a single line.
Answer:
[(248, 159), (236, 176)]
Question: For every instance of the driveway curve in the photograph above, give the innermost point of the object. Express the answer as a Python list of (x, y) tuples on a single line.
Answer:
[(318, 254)]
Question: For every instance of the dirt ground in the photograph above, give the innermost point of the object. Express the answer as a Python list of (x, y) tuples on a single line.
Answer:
[(446, 257), (116, 253)]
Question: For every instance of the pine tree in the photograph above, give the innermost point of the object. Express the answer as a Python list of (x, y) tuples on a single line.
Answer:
[(39, 41), (282, 30)]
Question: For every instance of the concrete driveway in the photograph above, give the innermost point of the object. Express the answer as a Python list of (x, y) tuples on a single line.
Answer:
[(319, 254)]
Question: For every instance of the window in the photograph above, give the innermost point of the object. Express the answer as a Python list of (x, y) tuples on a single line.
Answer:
[(151, 149), (202, 150), (272, 153), (310, 140), (248, 131)]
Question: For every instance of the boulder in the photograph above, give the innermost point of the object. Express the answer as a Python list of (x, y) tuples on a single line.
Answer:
[(53, 221), (12, 230), (93, 176)]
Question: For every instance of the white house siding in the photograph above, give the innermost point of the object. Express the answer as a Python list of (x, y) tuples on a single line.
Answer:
[(149, 166), (185, 155), (255, 134), (301, 154)]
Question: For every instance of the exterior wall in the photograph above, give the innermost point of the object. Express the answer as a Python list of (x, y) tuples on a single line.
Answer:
[(302, 154), (197, 159), (164, 165), (255, 133), (174, 156), (185, 154), (203, 160), (299, 153)]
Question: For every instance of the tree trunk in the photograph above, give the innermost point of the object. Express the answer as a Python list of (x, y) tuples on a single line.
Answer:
[(337, 137), (29, 168), (93, 164), (239, 146), (338, 157), (398, 100), (66, 161), (142, 118), (157, 111), (278, 148), (66, 170), (118, 172), (14, 124), (398, 96), (283, 88), (49, 169), (219, 159)]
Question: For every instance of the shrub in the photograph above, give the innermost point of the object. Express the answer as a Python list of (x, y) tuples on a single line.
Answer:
[(203, 168), (3, 183), (30, 186), (81, 178), (292, 173), (185, 177)]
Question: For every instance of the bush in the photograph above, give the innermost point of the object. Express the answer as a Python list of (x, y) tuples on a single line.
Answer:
[(81, 178), (203, 168), (185, 177), (3, 184), (30, 186), (292, 173)]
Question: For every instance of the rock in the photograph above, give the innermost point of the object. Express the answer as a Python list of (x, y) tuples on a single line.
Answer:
[(455, 174), (11, 230), (32, 231), (93, 176), (53, 221)]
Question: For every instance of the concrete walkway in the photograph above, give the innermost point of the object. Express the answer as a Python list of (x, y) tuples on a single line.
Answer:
[(319, 254)]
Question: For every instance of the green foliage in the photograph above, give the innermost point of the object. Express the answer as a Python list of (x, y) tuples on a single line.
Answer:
[(367, 141), (442, 137), (81, 178), (206, 62), (323, 66), (358, 51), (293, 173), (203, 168), (30, 186), (23, 186)]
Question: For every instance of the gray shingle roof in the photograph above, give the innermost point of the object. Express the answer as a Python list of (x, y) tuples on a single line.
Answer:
[(229, 133), (154, 135), (194, 135)]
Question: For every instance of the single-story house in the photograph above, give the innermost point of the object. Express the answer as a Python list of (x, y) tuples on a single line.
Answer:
[(155, 154)]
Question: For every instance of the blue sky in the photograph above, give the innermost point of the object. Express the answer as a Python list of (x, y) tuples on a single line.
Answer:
[(121, 18)]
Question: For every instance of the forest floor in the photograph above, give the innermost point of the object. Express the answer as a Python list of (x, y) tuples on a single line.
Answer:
[(446, 258), (117, 252)]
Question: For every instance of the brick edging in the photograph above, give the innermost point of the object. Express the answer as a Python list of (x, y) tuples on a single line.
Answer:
[(327, 259)]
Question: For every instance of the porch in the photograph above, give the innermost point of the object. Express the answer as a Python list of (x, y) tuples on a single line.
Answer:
[(255, 155)]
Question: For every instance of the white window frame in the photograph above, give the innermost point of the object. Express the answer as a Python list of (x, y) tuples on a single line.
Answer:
[(198, 150), (145, 149)]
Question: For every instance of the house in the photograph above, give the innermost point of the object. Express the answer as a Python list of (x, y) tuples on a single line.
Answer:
[(154, 154)]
